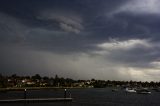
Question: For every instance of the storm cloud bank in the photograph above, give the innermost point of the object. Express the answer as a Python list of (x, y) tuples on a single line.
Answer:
[(104, 39)]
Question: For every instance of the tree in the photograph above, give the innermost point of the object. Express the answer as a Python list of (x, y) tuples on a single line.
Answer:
[(3, 82), (36, 77), (45, 78), (56, 80)]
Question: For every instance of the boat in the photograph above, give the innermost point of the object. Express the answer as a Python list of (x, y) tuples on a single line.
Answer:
[(143, 91), (130, 90)]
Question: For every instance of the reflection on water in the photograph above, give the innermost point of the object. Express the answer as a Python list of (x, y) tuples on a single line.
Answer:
[(87, 97)]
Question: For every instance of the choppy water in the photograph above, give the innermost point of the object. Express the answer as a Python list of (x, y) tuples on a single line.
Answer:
[(87, 97)]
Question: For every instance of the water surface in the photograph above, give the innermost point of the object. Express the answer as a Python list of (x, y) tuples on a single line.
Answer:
[(87, 97)]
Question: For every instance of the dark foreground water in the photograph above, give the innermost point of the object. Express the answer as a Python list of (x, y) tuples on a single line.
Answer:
[(87, 97)]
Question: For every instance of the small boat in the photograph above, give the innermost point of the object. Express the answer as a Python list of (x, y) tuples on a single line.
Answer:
[(143, 91), (130, 90)]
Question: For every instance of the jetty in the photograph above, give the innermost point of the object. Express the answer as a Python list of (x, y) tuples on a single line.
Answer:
[(36, 100)]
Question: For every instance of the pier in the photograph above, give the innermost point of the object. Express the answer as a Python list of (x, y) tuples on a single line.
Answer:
[(36, 100)]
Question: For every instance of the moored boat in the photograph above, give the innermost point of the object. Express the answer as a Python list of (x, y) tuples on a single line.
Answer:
[(130, 90), (143, 91)]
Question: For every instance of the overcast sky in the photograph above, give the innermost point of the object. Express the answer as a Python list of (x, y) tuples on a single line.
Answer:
[(81, 39)]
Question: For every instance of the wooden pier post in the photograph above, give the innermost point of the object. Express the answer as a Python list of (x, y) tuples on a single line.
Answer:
[(65, 93), (25, 93), (70, 95)]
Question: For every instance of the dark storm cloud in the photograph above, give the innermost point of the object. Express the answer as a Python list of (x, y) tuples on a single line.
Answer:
[(105, 35), (95, 22)]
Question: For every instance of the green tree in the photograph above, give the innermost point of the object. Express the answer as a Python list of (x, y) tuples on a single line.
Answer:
[(36, 77), (3, 82)]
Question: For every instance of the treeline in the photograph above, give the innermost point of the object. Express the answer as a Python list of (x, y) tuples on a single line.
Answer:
[(33, 81), (56, 81), (3, 81), (108, 83)]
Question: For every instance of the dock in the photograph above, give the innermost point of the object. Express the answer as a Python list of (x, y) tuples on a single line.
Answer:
[(36, 100)]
